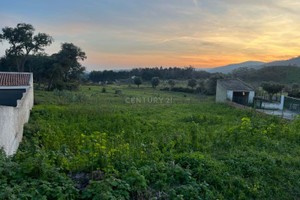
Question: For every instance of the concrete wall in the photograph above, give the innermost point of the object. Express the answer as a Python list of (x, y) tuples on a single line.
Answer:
[(267, 105), (251, 97), (12, 120), (229, 95), (220, 93), (274, 106)]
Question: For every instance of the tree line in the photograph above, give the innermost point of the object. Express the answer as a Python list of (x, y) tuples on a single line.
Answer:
[(148, 73)]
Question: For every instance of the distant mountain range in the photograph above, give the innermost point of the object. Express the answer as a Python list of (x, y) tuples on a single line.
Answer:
[(255, 65)]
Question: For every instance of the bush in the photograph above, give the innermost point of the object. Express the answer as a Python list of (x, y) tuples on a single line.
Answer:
[(294, 93), (118, 91), (165, 89), (107, 189), (33, 178), (272, 88), (192, 83), (155, 82), (137, 80), (171, 83), (61, 85), (182, 89), (70, 97)]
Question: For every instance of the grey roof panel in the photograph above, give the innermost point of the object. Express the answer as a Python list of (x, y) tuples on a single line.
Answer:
[(235, 84)]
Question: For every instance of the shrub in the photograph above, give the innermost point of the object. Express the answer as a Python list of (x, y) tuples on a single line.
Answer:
[(118, 91), (182, 89), (165, 89), (107, 189), (294, 93), (137, 80), (171, 83), (155, 82), (272, 88), (33, 178), (192, 83)]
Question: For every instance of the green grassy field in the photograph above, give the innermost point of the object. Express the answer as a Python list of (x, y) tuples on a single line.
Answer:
[(148, 144)]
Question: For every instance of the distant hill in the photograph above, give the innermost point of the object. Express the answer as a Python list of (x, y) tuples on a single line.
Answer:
[(229, 68), (290, 62), (255, 65)]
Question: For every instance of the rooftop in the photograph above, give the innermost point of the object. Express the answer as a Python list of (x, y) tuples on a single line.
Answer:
[(14, 79), (235, 84)]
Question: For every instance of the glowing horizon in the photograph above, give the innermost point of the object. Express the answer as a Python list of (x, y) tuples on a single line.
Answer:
[(119, 34)]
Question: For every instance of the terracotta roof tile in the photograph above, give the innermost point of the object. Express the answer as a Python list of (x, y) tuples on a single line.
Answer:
[(14, 79)]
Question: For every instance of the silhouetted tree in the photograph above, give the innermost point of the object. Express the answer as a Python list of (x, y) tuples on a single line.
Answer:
[(171, 83), (23, 42), (155, 82), (295, 86), (66, 67), (212, 83), (192, 83), (138, 81), (201, 88)]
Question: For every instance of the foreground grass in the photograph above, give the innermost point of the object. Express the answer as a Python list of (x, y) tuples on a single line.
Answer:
[(182, 146)]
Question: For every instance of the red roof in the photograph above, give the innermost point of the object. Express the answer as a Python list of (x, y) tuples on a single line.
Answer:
[(14, 79)]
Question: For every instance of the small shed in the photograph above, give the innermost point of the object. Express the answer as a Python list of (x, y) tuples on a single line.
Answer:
[(234, 90), (16, 101)]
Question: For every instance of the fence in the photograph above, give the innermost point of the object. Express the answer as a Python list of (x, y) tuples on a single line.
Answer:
[(263, 95), (261, 103), (292, 104)]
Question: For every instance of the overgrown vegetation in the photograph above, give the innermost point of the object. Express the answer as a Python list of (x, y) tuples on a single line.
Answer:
[(103, 147)]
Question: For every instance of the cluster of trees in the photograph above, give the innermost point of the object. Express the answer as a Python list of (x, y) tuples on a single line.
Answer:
[(272, 88), (294, 91), (205, 86), (273, 79), (280, 74), (25, 54), (148, 73), (154, 81)]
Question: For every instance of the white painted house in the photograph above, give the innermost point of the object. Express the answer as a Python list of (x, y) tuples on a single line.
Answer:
[(16, 101), (234, 90)]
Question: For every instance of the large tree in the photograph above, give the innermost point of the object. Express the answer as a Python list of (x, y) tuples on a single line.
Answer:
[(212, 83), (23, 42), (66, 66)]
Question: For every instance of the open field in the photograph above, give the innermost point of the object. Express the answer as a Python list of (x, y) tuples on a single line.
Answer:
[(148, 144)]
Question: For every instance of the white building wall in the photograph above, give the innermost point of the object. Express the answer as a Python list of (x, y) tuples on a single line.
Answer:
[(229, 95), (12, 120), (220, 93), (274, 106), (251, 96)]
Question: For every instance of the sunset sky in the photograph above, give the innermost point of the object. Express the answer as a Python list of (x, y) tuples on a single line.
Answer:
[(119, 34)]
